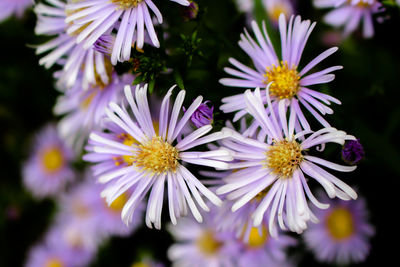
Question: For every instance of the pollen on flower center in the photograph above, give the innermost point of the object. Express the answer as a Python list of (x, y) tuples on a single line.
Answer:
[(340, 223), (283, 157), (119, 202), (126, 4), (286, 80), (208, 244), (156, 156), (257, 240), (54, 262), (52, 159)]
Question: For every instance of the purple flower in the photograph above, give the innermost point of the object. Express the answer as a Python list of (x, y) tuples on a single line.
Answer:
[(274, 171), (203, 115), (202, 244), (342, 236), (142, 155), (99, 17), (48, 169), (353, 152), (83, 109), (289, 82), (88, 65), (10, 7), (350, 14)]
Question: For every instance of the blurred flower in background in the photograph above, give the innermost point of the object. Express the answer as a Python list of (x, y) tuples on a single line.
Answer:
[(13, 7), (350, 14), (343, 234), (48, 169)]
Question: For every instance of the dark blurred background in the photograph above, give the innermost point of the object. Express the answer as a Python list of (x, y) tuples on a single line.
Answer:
[(368, 87)]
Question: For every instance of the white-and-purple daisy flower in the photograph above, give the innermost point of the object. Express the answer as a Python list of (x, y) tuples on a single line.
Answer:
[(83, 109), (343, 234), (146, 154), (275, 170), (289, 82), (13, 7), (84, 207), (94, 67), (350, 13), (202, 244), (48, 169), (261, 249), (93, 18)]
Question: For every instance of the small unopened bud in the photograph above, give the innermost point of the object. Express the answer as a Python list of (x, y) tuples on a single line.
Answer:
[(190, 12), (203, 115), (353, 152)]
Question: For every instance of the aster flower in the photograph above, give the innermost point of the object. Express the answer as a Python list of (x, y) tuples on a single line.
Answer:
[(276, 7), (203, 115), (350, 14), (261, 249), (353, 152), (191, 11), (85, 212), (13, 7), (343, 234), (96, 17), (275, 170), (202, 244), (62, 49), (45, 255), (48, 169), (144, 158), (289, 82), (83, 110)]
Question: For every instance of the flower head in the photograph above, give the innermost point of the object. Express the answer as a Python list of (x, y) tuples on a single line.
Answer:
[(350, 14), (202, 244), (342, 236), (142, 154), (272, 173), (289, 82), (353, 151), (83, 109), (96, 18), (48, 169), (191, 11), (87, 65)]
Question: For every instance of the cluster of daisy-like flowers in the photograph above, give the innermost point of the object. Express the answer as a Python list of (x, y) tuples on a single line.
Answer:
[(142, 151)]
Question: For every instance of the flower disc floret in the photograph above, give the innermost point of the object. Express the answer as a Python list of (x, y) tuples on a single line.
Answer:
[(286, 80), (126, 4), (340, 223), (157, 156), (283, 158)]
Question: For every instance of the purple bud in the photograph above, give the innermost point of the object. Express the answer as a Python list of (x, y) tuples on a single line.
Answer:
[(104, 44), (353, 152), (203, 115), (190, 12)]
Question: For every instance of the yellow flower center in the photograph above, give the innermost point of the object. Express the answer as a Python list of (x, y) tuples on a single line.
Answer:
[(284, 157), (257, 240), (52, 159), (88, 100), (208, 244), (340, 223), (156, 155), (126, 4), (140, 264), (54, 262), (119, 203), (80, 210), (286, 81), (276, 11), (361, 4)]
